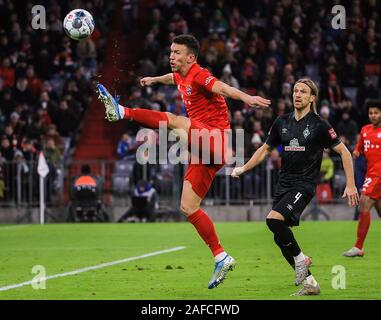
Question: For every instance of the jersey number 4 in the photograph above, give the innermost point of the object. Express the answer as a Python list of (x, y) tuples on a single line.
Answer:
[(297, 197)]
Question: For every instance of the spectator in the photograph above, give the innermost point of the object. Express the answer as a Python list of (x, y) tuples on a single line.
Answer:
[(34, 82), (6, 149), (177, 107), (327, 168), (66, 121), (87, 54), (348, 128), (7, 102), (228, 77), (366, 91), (47, 104), (335, 94), (52, 153), (126, 147), (52, 133), (28, 150), (7, 72), (144, 203), (325, 113), (22, 93), (218, 23)]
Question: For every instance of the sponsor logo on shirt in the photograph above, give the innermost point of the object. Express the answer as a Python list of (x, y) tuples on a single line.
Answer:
[(208, 79), (289, 207), (366, 145), (379, 135), (284, 130), (294, 146), (332, 133)]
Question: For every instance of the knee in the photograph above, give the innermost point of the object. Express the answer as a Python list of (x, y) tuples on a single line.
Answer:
[(188, 209), (271, 223), (275, 225)]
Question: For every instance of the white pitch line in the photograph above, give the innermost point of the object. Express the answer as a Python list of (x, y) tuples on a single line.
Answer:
[(13, 227), (99, 266)]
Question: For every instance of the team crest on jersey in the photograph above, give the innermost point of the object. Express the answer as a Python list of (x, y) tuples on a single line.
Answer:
[(379, 135), (306, 132), (332, 133), (294, 146), (188, 90)]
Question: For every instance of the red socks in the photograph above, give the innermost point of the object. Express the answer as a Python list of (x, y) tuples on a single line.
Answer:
[(147, 118), (205, 228), (362, 228)]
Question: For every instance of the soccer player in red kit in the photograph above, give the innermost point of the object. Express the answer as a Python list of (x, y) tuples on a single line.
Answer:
[(369, 145), (203, 96)]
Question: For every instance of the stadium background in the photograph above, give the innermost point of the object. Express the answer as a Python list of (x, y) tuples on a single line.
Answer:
[(48, 102)]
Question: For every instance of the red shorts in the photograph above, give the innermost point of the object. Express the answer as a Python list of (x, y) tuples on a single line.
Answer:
[(201, 173), (201, 177), (372, 187)]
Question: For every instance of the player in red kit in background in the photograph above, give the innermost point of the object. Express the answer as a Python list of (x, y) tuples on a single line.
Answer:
[(369, 145), (203, 96)]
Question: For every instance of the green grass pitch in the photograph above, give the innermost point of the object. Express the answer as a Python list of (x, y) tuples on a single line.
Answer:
[(261, 271)]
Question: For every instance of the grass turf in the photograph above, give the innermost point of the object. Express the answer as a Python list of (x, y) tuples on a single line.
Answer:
[(261, 271)]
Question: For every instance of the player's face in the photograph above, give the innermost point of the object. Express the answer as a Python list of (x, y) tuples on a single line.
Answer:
[(374, 116), (302, 96), (180, 57)]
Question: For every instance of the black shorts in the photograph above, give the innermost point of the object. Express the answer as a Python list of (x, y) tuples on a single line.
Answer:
[(291, 204)]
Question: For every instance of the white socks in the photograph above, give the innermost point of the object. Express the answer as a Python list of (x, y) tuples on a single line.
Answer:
[(300, 257), (121, 110), (220, 256)]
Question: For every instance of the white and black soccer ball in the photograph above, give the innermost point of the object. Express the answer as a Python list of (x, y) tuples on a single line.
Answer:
[(78, 24)]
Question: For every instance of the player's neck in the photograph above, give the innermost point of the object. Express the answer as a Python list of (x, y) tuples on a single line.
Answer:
[(301, 113), (183, 71)]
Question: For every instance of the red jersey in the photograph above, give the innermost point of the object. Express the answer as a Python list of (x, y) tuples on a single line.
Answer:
[(200, 102), (369, 145)]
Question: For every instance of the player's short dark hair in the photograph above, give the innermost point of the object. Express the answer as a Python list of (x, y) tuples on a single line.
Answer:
[(189, 41), (373, 103)]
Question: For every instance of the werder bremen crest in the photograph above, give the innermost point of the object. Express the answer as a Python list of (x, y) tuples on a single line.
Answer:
[(294, 146), (306, 132)]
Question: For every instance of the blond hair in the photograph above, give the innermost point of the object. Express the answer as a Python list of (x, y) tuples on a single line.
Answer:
[(314, 91)]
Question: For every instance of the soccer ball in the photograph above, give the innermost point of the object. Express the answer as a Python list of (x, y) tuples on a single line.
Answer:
[(78, 24)]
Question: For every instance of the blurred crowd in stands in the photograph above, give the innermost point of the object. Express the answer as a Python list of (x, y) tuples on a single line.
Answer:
[(259, 46), (263, 47), (45, 82)]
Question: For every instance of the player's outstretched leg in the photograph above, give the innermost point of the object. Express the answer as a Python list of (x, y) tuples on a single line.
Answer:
[(147, 118), (190, 205)]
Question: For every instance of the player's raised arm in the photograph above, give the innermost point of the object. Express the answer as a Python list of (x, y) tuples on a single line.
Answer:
[(350, 189), (224, 89), (258, 156), (164, 79)]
